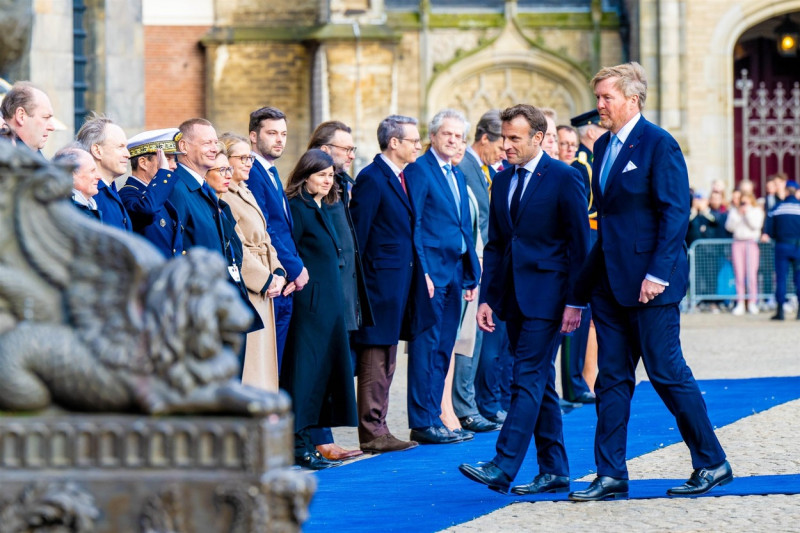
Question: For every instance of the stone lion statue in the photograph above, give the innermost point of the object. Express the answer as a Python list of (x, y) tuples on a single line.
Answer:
[(94, 319)]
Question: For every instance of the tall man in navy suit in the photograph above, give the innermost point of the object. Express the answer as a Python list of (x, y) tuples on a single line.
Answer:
[(268, 134), (637, 272), (382, 210), (538, 239), (108, 144), (443, 240)]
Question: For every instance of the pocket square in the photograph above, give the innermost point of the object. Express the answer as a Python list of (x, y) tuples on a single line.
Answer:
[(630, 166)]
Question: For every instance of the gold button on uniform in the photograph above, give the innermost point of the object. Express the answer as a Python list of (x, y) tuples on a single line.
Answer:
[(163, 223)]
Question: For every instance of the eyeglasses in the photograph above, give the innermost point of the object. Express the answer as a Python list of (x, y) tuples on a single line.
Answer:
[(566, 144), (244, 158), (412, 141), (347, 150), (223, 170)]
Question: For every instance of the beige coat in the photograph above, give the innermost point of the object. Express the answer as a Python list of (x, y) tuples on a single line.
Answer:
[(259, 261)]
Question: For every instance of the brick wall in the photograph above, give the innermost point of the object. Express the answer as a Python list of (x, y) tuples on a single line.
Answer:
[(174, 75)]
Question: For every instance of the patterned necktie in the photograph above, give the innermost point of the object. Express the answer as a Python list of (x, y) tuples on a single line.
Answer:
[(517, 196), (613, 151)]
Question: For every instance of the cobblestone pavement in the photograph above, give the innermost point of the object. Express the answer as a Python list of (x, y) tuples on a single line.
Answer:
[(716, 347)]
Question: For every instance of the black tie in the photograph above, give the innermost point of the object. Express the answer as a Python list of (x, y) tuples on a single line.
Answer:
[(515, 198)]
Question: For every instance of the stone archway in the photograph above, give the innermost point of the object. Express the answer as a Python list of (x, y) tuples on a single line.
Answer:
[(510, 71)]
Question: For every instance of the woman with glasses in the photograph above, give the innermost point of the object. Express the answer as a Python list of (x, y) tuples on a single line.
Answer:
[(262, 273), (317, 371)]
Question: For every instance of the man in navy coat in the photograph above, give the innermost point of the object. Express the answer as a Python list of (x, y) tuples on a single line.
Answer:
[(382, 210), (146, 192), (637, 273), (443, 239), (268, 134), (108, 144), (538, 239)]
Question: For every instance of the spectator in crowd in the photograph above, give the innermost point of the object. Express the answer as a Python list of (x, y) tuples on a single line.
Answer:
[(745, 221), (550, 143), (317, 371), (28, 113), (335, 139), (84, 177), (718, 186), (783, 227), (476, 165), (107, 143), (146, 192), (443, 238), (262, 273), (383, 217), (268, 133)]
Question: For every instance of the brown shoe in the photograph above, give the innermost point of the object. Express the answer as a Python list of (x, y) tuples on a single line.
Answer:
[(334, 452), (388, 443)]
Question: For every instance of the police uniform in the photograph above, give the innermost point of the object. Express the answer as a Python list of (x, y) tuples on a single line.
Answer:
[(153, 216), (783, 226)]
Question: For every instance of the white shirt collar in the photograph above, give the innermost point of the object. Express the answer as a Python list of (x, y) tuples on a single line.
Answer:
[(625, 130), (78, 197), (439, 160), (196, 176), (263, 160), (530, 166), (391, 165)]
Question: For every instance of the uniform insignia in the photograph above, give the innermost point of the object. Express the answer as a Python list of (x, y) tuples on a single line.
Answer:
[(163, 223)]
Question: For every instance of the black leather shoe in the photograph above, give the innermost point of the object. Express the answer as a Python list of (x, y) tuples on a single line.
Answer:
[(586, 397), (435, 435), (778, 315), (703, 480), (602, 488), (464, 434), (478, 424), (314, 461), (543, 483), (498, 418), (488, 474)]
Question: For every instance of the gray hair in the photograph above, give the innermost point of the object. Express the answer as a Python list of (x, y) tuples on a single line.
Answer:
[(392, 126), (631, 80), (69, 156), (439, 118), (489, 125), (93, 132)]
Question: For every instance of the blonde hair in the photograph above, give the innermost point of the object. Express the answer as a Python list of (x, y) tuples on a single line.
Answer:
[(631, 80)]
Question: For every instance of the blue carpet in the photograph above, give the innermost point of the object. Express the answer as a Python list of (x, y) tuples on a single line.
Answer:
[(422, 490)]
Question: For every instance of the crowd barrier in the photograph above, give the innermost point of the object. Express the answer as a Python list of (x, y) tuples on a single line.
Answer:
[(711, 277)]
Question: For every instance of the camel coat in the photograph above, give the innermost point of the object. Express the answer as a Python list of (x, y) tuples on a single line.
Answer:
[(259, 261)]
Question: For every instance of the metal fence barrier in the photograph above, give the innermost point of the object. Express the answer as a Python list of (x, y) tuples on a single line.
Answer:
[(711, 277)]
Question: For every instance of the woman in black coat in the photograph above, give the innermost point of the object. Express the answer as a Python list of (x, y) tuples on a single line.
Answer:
[(317, 371)]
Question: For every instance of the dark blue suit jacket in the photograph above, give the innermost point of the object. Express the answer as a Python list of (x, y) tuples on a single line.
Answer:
[(279, 223), (438, 229), (643, 215), (111, 207), (543, 250), (153, 216), (197, 210), (383, 220)]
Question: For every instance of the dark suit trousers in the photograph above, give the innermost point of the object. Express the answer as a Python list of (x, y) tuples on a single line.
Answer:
[(573, 356), (375, 370), (493, 375), (429, 356), (652, 334), (283, 315), (534, 410)]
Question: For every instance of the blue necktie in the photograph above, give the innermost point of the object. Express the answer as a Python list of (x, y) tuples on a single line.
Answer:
[(275, 177), (613, 151), (517, 196), (453, 187)]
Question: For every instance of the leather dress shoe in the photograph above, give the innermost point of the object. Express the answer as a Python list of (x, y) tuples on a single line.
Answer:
[(334, 452), (586, 397), (543, 483), (602, 488), (435, 435), (703, 480), (498, 418), (314, 461), (387, 443), (489, 474), (478, 424), (464, 434)]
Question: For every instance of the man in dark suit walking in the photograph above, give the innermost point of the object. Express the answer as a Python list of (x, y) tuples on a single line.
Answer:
[(268, 133), (485, 151), (637, 272), (538, 238), (383, 217), (443, 239)]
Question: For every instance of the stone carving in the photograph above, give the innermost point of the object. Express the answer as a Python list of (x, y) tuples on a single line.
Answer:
[(162, 513), (16, 20), (49, 507), (94, 319)]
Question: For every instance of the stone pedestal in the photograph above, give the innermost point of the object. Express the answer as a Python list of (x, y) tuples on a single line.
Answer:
[(115, 473)]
